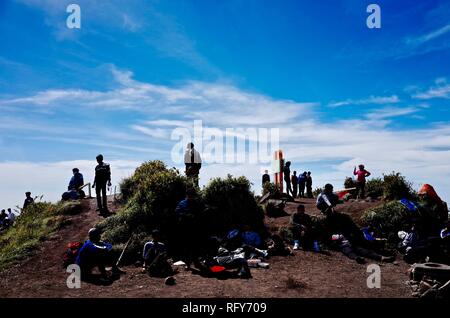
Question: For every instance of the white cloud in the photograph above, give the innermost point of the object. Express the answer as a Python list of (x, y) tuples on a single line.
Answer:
[(390, 112), (440, 90), (367, 101), (330, 150)]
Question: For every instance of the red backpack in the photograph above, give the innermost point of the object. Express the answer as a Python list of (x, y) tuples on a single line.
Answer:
[(71, 254)]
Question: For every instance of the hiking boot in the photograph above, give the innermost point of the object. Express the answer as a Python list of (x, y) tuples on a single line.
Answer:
[(296, 246), (360, 260)]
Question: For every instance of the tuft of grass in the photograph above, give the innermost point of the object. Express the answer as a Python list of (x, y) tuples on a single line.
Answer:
[(33, 226)]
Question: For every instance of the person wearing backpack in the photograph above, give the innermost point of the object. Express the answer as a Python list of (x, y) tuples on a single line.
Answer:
[(102, 179)]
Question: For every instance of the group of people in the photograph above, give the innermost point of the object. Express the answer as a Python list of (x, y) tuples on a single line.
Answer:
[(208, 255), (7, 218), (296, 185), (102, 181)]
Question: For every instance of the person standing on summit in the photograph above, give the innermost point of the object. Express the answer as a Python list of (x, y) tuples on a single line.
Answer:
[(193, 163), (102, 179), (361, 175)]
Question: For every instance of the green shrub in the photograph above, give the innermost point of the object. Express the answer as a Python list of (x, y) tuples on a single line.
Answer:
[(375, 187), (317, 191), (387, 219), (231, 203), (153, 194), (349, 183), (396, 187), (270, 187)]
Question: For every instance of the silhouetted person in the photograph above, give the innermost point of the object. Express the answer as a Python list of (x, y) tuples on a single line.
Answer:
[(309, 193), (189, 241), (77, 181), (302, 185), (193, 163), (95, 253), (28, 200), (361, 175), (327, 200), (294, 181), (287, 177), (102, 179), (265, 178)]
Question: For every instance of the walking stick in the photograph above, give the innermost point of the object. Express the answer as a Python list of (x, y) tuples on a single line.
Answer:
[(123, 251)]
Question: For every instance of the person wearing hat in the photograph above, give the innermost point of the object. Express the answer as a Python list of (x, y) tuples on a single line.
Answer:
[(28, 200), (102, 179), (361, 175), (95, 253)]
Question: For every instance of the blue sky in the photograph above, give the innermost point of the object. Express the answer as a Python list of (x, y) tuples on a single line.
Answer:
[(339, 92)]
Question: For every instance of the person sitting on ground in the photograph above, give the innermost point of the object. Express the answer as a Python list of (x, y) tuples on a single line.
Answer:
[(28, 200), (95, 253), (302, 184), (265, 178), (357, 253), (76, 181), (327, 200), (155, 257), (277, 247), (189, 214), (303, 231), (294, 181), (361, 175)]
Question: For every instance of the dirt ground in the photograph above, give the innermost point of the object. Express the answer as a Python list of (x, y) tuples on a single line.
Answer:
[(305, 274)]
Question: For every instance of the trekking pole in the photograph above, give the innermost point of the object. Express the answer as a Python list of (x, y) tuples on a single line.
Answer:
[(123, 251)]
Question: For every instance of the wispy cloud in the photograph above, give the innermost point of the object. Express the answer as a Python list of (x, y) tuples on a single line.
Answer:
[(367, 101), (428, 36), (391, 112), (440, 90)]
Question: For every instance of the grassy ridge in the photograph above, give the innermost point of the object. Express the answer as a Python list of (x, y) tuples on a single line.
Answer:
[(32, 227)]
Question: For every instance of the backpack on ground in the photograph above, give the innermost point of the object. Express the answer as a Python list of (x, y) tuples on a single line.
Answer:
[(70, 255)]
